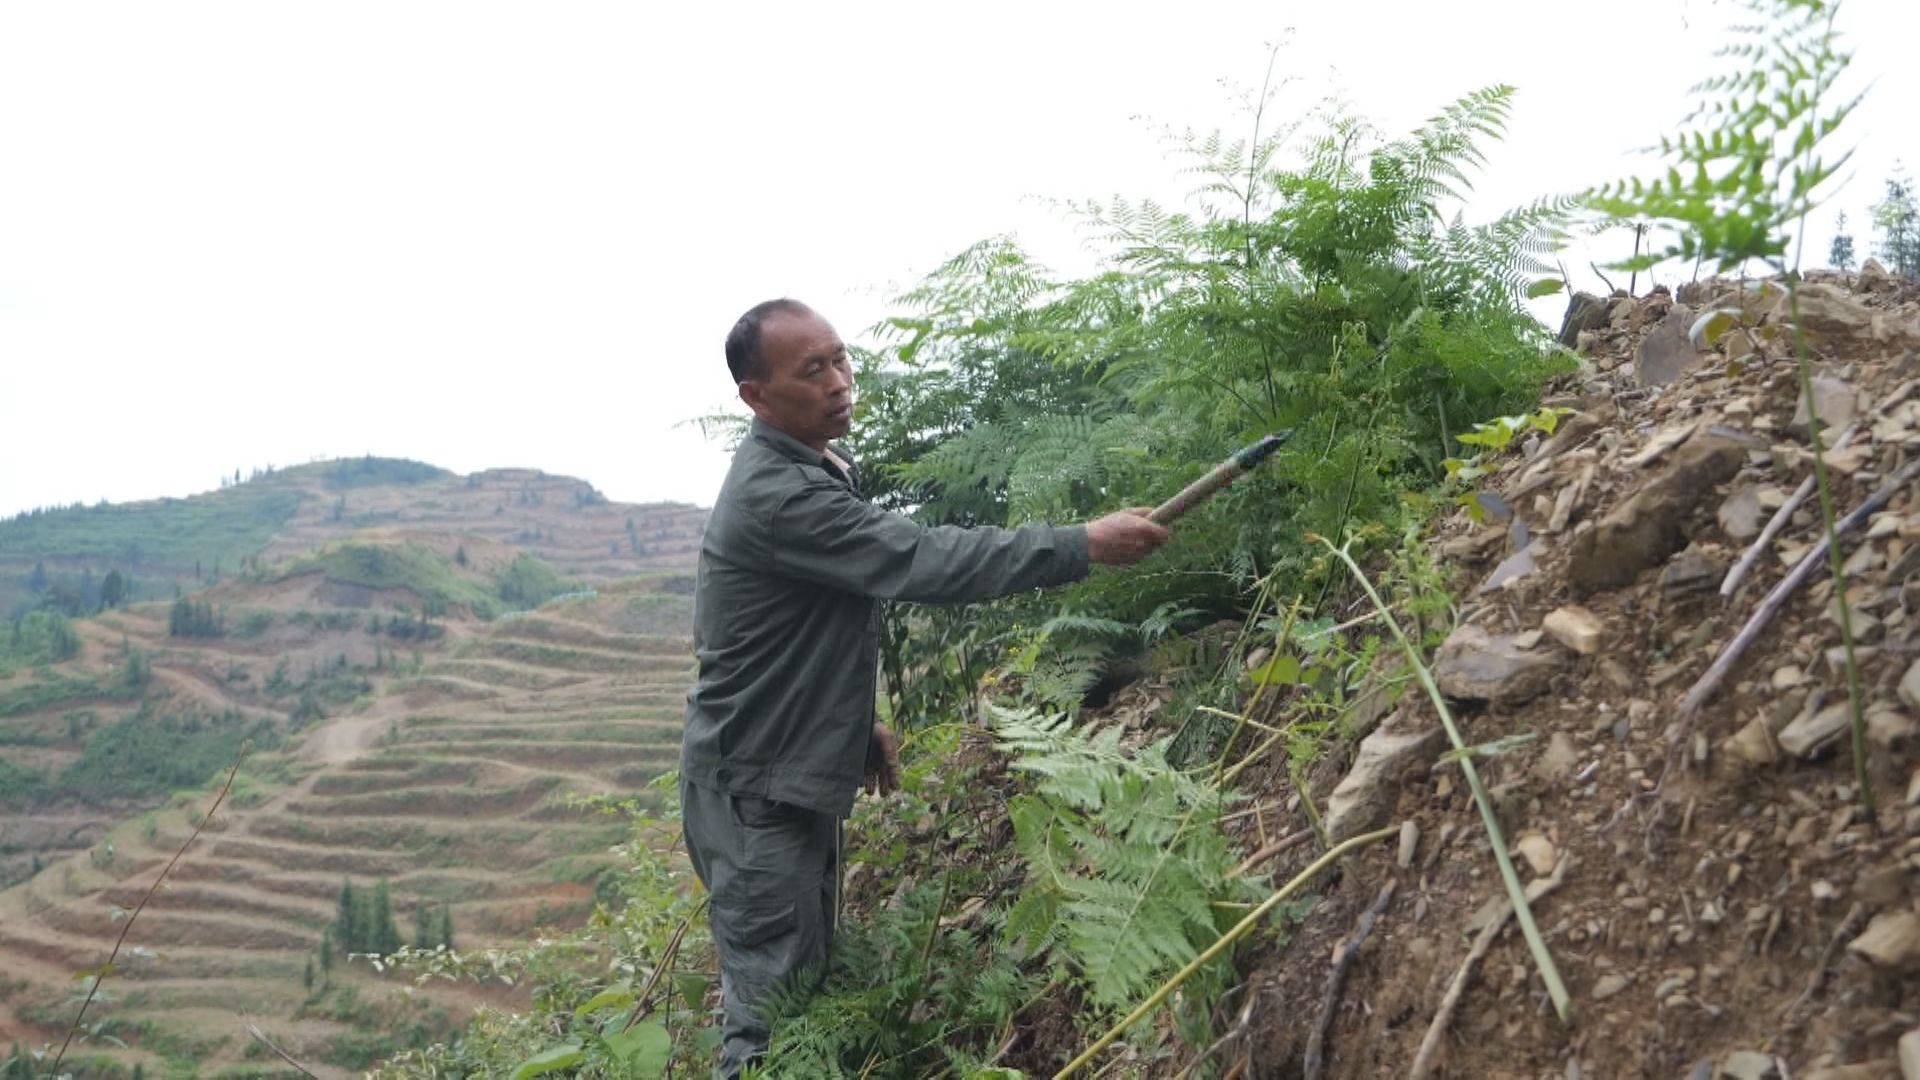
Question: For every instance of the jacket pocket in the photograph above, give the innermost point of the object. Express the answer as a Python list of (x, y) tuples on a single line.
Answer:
[(753, 812), (756, 922)]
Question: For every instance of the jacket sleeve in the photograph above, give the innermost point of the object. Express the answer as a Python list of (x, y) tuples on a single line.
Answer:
[(826, 534)]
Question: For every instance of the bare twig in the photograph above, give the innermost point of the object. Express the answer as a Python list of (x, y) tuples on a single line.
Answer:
[(1237, 1031), (100, 974), (1774, 524), (1841, 934), (1343, 958), (1214, 951), (1425, 1059), (1284, 844), (260, 1037), (667, 955), (1710, 681)]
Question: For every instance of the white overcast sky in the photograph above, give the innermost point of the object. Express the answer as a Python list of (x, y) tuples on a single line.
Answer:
[(486, 234)]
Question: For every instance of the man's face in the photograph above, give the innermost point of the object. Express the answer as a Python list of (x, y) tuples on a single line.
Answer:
[(805, 385)]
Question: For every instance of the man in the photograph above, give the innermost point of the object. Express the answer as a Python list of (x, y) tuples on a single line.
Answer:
[(780, 726)]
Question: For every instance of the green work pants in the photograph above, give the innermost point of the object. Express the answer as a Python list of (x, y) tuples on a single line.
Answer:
[(771, 870)]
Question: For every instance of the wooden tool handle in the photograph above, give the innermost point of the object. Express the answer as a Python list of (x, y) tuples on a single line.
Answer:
[(1246, 460)]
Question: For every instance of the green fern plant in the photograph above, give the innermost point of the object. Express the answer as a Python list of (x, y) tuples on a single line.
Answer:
[(1334, 295), (1127, 868)]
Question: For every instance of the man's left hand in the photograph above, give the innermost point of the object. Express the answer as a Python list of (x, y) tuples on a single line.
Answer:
[(883, 762)]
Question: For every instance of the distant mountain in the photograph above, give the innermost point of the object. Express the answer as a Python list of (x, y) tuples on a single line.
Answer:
[(67, 553)]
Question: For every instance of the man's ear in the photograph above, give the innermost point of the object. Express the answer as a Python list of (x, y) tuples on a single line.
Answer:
[(750, 394)]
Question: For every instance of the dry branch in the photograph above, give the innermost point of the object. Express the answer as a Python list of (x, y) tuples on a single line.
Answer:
[(253, 1030), (1426, 1058), (1849, 926), (1285, 843), (1710, 681), (1342, 961), (1774, 524)]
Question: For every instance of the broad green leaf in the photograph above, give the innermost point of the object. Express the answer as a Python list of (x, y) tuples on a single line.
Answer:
[(1471, 503), (642, 1051), (611, 997), (1545, 287), (1548, 420), (693, 987), (552, 1059), (1495, 435), (1282, 670), (1709, 328)]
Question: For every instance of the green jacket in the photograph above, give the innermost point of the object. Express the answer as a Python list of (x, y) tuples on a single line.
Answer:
[(786, 619)]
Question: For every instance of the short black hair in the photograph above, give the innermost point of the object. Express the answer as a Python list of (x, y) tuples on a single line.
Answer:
[(743, 341)]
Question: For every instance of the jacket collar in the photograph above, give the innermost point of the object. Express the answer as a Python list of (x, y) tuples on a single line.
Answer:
[(790, 447)]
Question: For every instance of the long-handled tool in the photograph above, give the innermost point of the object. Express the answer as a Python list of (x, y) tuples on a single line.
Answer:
[(1245, 461)]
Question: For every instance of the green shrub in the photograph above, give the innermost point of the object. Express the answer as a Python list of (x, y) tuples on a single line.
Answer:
[(527, 582), (37, 637), (20, 785), (150, 754), (413, 567), (373, 471)]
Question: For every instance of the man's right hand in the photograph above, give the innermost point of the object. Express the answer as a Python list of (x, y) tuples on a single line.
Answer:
[(1124, 538)]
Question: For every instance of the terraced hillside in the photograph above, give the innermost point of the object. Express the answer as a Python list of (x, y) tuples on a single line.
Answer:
[(434, 753), (448, 779)]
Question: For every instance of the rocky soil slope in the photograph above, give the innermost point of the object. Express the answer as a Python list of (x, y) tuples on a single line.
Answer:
[(1724, 906)]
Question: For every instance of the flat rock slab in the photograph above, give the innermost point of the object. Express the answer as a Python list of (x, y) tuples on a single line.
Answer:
[(1667, 352), (1810, 731), (1832, 317), (1742, 516), (1474, 665), (1369, 790), (1576, 628), (1651, 524), (1837, 402), (1890, 942), (1585, 311)]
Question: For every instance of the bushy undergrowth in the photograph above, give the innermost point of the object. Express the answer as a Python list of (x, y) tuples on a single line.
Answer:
[(616, 998), (152, 753), (1331, 298), (1121, 874)]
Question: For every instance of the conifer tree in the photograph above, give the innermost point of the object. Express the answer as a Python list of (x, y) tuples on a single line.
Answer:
[(113, 591), (1898, 218), (1840, 255), (37, 580), (385, 937), (343, 921), (306, 977), (446, 925), (422, 927)]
